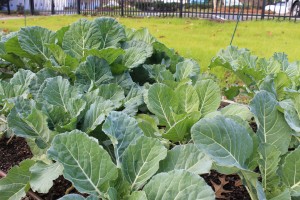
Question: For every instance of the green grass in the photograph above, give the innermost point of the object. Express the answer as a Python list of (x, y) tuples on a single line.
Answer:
[(197, 39)]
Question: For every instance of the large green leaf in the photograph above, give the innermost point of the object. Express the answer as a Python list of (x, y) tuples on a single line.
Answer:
[(178, 185), (86, 164), (78, 197), (43, 175), (133, 100), (186, 157), (141, 160), (33, 40), (187, 69), (122, 131), (142, 34), (223, 139), (110, 31), (81, 36), (93, 71), (112, 92), (237, 110), (209, 96), (110, 54), (268, 166), (189, 100), (272, 128), (96, 113), (291, 173), (16, 183), (29, 122), (21, 82)]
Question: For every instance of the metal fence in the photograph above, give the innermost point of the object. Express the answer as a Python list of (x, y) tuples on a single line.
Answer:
[(217, 9)]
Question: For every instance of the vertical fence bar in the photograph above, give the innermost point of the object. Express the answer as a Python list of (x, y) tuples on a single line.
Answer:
[(122, 8), (263, 9), (181, 8), (78, 7), (8, 7), (31, 5), (52, 7)]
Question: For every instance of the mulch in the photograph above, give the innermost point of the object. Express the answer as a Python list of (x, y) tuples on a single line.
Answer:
[(227, 187)]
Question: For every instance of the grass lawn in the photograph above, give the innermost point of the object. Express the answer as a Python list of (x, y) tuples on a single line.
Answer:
[(194, 38)]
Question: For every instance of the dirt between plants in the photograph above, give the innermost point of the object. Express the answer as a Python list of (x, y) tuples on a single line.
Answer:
[(227, 187)]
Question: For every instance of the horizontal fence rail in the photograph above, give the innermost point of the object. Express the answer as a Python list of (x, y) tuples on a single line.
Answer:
[(216, 9)]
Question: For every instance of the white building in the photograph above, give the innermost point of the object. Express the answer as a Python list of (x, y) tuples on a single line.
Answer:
[(40, 4)]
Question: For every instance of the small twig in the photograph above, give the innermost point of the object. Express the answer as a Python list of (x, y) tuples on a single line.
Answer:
[(10, 139), (29, 193), (69, 189)]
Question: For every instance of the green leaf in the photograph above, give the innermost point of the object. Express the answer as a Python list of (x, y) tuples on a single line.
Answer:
[(136, 53), (268, 166), (187, 69), (78, 197), (141, 160), (188, 158), (86, 164), (81, 36), (148, 125), (237, 110), (110, 54), (43, 175), (223, 140), (112, 92), (21, 81), (178, 185), (138, 195), (290, 172), (272, 128), (143, 34), (62, 58), (109, 30), (133, 100), (33, 40), (60, 34), (16, 183), (189, 100), (96, 114), (122, 131), (209, 96), (27, 121), (93, 71)]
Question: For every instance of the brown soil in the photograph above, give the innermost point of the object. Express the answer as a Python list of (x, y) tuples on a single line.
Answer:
[(228, 187)]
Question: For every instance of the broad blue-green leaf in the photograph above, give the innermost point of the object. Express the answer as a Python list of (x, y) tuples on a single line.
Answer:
[(93, 71), (187, 69), (133, 100), (6, 91), (188, 158), (162, 101), (138, 195), (21, 81), (110, 54), (240, 110), (268, 166), (96, 113), (189, 100), (141, 160), (81, 36), (272, 128), (136, 53), (291, 173), (29, 122), (78, 197), (43, 175), (60, 34), (143, 34), (122, 131), (86, 164), (112, 92), (33, 40), (62, 58), (148, 125), (254, 187), (16, 183), (209, 96), (109, 30), (178, 184), (223, 140)]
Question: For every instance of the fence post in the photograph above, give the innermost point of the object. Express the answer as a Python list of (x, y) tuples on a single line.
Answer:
[(180, 8), (31, 5), (78, 7), (52, 7), (122, 8), (8, 7), (263, 9)]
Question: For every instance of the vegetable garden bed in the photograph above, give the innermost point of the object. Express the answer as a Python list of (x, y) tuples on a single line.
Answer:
[(112, 113)]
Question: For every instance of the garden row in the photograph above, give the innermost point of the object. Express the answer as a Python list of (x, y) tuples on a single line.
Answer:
[(122, 116)]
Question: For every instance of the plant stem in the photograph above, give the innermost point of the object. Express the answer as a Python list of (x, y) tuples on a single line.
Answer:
[(69, 189), (10, 139), (29, 193)]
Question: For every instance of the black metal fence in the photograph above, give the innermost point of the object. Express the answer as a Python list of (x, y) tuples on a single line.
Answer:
[(217, 9)]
